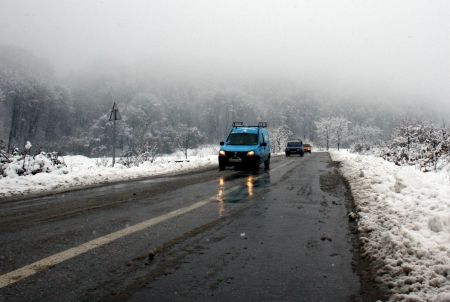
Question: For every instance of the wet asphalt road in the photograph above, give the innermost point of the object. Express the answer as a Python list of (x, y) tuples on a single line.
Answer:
[(277, 235)]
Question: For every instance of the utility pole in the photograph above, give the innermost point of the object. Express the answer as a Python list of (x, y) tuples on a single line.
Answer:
[(12, 129), (114, 116)]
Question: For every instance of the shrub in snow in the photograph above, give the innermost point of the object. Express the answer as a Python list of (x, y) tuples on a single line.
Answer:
[(133, 158), (20, 163), (421, 144), (102, 162), (360, 148)]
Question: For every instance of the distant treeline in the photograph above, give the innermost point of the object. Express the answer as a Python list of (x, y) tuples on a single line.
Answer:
[(70, 115)]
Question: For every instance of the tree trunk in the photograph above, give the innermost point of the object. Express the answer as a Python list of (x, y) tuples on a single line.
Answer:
[(12, 130)]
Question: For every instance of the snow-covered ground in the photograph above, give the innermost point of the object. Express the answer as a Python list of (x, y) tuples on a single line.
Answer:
[(82, 171), (404, 225)]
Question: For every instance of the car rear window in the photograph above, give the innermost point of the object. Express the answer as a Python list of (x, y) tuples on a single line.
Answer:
[(242, 139), (294, 144)]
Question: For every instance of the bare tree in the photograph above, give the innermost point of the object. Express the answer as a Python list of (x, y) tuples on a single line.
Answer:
[(324, 130), (340, 129), (187, 138)]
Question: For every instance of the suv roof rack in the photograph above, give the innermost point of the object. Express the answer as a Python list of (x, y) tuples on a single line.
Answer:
[(241, 124)]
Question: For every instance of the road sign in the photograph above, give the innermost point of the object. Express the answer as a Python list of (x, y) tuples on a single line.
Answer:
[(115, 114)]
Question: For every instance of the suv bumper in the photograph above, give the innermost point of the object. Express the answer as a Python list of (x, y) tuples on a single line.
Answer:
[(245, 161), (294, 151)]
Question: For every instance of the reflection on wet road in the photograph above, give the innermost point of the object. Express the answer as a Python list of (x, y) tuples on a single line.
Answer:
[(230, 192), (250, 186), (220, 193)]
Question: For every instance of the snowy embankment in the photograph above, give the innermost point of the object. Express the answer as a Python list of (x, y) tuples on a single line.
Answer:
[(404, 225), (82, 171)]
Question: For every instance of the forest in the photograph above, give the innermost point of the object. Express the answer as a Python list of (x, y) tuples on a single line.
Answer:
[(162, 112)]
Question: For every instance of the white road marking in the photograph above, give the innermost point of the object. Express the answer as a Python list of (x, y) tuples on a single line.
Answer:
[(48, 262)]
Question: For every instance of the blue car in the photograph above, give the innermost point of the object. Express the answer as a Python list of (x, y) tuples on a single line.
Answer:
[(294, 147), (245, 146)]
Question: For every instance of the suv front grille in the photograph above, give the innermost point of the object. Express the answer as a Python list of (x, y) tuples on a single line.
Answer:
[(229, 154)]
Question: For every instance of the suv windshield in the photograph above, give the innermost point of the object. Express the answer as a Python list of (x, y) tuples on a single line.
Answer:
[(294, 144), (242, 139)]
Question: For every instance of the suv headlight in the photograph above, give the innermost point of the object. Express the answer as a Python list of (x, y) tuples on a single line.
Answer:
[(250, 153), (222, 153)]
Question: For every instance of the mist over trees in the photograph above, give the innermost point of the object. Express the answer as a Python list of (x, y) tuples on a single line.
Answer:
[(162, 113), (33, 106)]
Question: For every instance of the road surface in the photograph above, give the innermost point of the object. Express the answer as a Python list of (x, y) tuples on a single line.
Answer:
[(234, 235)]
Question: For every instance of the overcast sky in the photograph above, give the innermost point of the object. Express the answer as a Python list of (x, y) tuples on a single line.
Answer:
[(399, 48)]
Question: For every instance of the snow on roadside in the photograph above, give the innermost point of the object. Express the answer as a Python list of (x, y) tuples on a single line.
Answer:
[(82, 171), (404, 225)]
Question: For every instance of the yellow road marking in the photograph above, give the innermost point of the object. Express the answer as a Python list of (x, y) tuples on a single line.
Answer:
[(48, 262)]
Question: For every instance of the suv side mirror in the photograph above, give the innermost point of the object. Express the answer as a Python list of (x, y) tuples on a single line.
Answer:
[(222, 143), (263, 144)]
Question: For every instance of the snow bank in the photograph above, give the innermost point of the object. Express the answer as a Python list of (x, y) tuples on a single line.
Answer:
[(82, 171), (404, 225)]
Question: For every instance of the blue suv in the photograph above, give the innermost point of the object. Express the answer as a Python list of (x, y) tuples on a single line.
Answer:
[(246, 146)]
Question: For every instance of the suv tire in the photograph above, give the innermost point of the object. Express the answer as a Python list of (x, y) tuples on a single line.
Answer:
[(267, 164)]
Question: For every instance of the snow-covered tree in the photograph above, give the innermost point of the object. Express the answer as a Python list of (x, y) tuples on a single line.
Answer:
[(339, 127), (100, 136), (279, 137), (325, 130), (187, 138)]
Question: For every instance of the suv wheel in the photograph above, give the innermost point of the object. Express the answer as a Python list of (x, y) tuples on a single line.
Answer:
[(267, 164)]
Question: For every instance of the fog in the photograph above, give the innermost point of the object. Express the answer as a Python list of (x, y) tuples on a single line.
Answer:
[(371, 49), (176, 65)]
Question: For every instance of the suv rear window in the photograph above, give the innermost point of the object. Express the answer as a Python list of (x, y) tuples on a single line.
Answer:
[(294, 144), (242, 139)]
